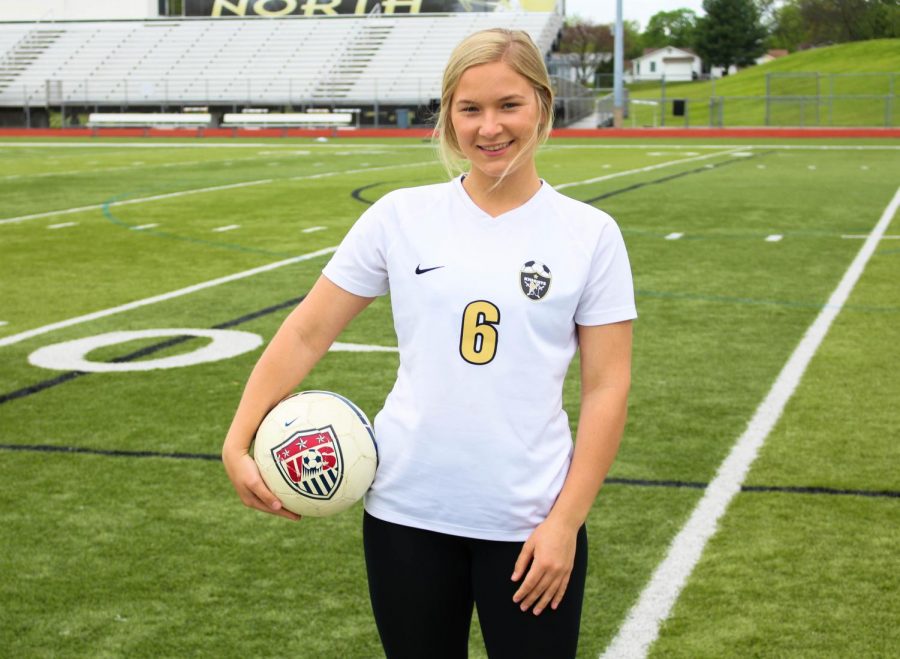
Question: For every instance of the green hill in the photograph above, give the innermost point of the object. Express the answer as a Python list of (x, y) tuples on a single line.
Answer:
[(855, 86)]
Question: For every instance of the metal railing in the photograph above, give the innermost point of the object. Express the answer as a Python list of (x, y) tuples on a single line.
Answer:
[(858, 110)]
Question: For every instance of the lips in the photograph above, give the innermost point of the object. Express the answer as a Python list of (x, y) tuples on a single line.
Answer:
[(495, 148)]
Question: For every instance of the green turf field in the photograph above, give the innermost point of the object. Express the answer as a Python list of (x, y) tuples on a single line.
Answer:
[(120, 534)]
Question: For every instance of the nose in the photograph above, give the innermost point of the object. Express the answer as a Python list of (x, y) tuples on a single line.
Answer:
[(490, 125)]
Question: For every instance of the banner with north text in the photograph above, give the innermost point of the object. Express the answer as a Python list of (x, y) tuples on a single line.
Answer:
[(274, 8)]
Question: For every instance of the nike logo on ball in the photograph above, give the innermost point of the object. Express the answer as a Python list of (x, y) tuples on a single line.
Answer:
[(421, 271)]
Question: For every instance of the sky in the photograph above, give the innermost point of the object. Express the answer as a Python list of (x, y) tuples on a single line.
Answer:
[(604, 11)]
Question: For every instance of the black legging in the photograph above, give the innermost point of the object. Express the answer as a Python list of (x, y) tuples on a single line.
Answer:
[(423, 586)]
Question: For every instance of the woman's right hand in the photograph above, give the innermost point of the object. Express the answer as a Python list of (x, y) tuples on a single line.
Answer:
[(244, 475)]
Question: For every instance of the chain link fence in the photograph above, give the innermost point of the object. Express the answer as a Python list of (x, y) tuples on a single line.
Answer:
[(790, 100)]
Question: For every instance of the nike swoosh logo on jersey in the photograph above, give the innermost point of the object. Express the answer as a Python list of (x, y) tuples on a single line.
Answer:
[(287, 423), (421, 271)]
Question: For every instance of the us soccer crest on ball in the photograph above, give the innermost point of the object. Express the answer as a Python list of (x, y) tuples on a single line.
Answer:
[(316, 452), (535, 280)]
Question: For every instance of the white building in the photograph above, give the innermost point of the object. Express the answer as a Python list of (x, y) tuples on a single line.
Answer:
[(669, 62)]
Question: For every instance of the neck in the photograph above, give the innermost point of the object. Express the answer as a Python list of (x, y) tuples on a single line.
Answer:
[(513, 191)]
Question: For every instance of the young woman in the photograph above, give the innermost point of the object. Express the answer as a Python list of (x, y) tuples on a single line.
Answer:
[(495, 280)]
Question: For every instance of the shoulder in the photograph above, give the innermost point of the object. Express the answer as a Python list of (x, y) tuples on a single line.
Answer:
[(578, 212), (586, 226)]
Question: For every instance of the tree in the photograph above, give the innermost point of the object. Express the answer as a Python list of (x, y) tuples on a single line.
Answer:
[(634, 46), (730, 33), (799, 23), (837, 21), (788, 30), (589, 45), (670, 28)]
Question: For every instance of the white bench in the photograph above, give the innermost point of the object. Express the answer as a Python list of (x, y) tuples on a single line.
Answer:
[(148, 119), (287, 119)]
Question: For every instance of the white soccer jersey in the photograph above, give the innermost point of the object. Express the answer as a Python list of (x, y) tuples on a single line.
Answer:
[(473, 439)]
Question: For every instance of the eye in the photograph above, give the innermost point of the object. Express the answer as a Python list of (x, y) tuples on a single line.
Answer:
[(510, 105), (468, 109)]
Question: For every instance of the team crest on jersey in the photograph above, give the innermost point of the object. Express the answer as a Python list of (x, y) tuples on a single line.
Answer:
[(310, 461), (535, 280)]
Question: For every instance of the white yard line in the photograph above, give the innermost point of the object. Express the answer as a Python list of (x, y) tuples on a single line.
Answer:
[(228, 227), (63, 225), (216, 188), (213, 145), (313, 229), (362, 170), (381, 145), (22, 336), (136, 165), (639, 170), (359, 347), (641, 627), (140, 200), (743, 147)]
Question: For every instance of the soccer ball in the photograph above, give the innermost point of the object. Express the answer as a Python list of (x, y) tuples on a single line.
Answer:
[(316, 451)]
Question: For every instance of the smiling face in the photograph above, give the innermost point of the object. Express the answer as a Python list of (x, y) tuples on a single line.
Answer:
[(495, 116)]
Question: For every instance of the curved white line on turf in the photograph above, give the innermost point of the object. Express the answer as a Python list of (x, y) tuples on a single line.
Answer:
[(16, 338), (72, 355), (641, 627)]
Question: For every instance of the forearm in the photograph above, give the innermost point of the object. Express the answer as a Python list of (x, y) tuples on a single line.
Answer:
[(283, 365)]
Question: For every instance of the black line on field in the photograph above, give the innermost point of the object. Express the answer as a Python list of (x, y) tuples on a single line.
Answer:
[(357, 194), (820, 490), (44, 448), (635, 482), (258, 314), (652, 483), (672, 177), (788, 489), (147, 350), (40, 386)]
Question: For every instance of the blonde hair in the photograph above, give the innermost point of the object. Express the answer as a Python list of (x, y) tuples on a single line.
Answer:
[(516, 49)]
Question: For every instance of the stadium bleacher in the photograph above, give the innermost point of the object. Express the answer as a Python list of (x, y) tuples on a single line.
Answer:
[(290, 62)]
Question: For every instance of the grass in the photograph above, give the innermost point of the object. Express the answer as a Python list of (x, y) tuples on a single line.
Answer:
[(112, 554), (867, 72)]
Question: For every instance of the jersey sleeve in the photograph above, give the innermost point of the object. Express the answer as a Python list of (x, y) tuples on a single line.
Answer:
[(608, 295), (359, 265)]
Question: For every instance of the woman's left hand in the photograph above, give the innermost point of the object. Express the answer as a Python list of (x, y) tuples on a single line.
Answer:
[(551, 552)]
